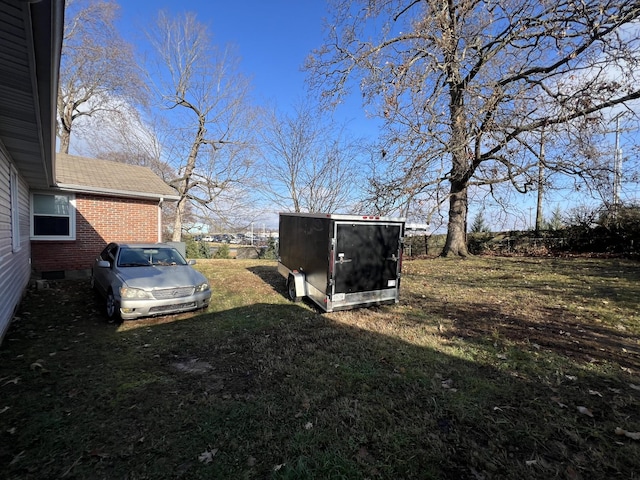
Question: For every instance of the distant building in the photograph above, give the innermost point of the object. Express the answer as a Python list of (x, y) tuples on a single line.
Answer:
[(411, 229)]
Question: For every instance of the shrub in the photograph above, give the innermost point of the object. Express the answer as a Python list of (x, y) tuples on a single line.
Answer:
[(270, 252), (222, 251), (197, 249)]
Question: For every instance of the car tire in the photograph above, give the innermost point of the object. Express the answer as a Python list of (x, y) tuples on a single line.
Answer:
[(112, 307)]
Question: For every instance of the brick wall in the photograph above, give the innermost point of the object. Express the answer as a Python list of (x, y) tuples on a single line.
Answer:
[(99, 220)]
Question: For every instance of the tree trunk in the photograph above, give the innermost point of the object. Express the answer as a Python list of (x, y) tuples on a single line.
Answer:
[(176, 236), (65, 138), (65, 120), (185, 183), (456, 243)]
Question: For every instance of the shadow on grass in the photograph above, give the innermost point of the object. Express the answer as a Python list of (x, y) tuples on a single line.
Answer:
[(269, 275), (278, 391)]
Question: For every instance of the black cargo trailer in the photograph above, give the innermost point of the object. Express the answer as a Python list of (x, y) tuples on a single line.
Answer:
[(341, 261)]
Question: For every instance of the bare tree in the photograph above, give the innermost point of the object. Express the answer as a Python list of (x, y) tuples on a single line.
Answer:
[(205, 102), (465, 84), (137, 141), (99, 75), (309, 163)]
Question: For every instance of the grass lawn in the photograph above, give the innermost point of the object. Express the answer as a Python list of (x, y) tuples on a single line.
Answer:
[(489, 368)]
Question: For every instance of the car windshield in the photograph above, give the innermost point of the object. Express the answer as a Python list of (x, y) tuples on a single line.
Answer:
[(143, 257)]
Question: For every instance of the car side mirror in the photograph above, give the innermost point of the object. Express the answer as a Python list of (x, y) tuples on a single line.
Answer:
[(191, 262), (103, 264)]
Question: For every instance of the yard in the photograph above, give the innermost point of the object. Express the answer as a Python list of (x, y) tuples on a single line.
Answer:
[(489, 368)]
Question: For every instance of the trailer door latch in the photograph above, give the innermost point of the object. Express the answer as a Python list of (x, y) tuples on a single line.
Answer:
[(342, 260)]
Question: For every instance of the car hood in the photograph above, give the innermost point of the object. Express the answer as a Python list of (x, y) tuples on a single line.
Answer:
[(154, 277)]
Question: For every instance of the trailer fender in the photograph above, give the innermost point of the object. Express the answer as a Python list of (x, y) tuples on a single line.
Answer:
[(296, 286)]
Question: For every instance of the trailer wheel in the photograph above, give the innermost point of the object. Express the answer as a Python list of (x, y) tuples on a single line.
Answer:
[(291, 289)]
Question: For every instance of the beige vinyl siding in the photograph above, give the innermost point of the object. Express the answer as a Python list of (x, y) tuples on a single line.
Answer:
[(15, 268)]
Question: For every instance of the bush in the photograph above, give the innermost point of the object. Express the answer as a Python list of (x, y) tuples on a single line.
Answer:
[(270, 252), (478, 243), (222, 251), (197, 249), (614, 229)]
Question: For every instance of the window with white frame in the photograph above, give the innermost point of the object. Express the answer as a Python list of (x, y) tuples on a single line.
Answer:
[(15, 210), (53, 216)]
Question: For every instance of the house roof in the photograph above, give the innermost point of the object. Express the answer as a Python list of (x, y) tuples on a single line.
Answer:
[(30, 46), (91, 175)]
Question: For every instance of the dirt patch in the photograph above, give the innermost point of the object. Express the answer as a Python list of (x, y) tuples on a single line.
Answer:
[(192, 366)]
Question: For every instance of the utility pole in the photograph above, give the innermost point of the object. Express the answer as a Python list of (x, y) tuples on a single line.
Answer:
[(617, 170), (539, 213)]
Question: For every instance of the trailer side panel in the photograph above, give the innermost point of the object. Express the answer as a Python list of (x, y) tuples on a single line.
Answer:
[(306, 247)]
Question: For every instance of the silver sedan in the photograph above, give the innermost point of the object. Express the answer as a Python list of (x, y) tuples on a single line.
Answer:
[(141, 280)]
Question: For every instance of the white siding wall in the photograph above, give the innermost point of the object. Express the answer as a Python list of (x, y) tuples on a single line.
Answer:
[(15, 267)]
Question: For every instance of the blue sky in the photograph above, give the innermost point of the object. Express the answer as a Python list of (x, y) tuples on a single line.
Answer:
[(273, 38)]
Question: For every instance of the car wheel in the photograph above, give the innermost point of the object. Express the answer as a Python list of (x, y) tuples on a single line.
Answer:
[(113, 309), (291, 289)]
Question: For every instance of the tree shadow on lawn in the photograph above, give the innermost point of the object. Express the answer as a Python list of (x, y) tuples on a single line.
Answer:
[(279, 391)]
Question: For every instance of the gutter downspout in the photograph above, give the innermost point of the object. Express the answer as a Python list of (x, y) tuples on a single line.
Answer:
[(160, 219)]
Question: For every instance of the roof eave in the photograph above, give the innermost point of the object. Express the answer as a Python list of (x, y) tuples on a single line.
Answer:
[(115, 193), (47, 23)]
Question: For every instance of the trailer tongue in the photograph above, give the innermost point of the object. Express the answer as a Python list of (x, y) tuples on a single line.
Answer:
[(341, 261)]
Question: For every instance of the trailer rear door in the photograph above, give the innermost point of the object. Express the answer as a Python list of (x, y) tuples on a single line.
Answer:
[(366, 256)]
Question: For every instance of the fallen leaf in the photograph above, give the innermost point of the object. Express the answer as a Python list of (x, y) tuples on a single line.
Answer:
[(4, 409), (635, 387), (632, 435), (278, 467), (585, 411), (14, 381), (447, 383), (595, 392), (36, 365), (560, 404), (571, 377), (207, 455), (308, 426)]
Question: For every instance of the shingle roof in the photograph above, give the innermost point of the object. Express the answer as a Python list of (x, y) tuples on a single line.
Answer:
[(114, 178)]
